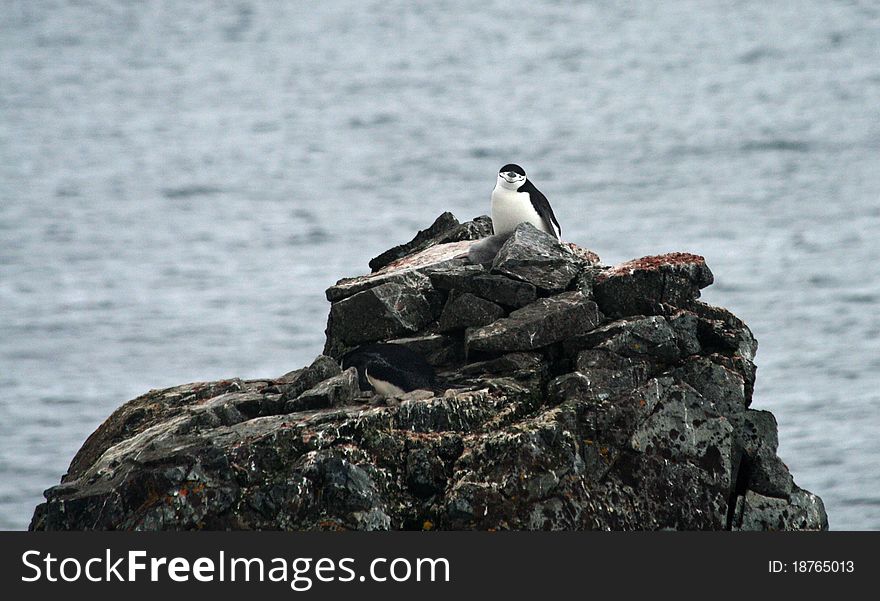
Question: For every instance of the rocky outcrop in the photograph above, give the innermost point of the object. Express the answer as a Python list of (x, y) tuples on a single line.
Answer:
[(571, 396)]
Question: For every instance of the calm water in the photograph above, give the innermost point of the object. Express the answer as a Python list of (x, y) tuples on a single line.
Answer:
[(179, 182)]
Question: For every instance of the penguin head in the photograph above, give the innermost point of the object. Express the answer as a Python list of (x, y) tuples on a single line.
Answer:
[(511, 176)]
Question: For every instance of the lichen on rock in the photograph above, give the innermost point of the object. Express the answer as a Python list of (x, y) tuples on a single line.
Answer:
[(571, 396)]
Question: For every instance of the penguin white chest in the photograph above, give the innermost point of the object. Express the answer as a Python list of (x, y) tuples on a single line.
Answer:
[(386, 389), (510, 208)]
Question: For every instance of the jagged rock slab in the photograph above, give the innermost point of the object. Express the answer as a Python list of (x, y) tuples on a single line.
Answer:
[(386, 311), (802, 511), (538, 258), (293, 384), (650, 338), (422, 240), (539, 324), (144, 412), (602, 375), (767, 474), (341, 389), (647, 427), (406, 271), (724, 386), (466, 310), (474, 279), (723, 331), (350, 286), (445, 228), (640, 286), (680, 429), (602, 358)]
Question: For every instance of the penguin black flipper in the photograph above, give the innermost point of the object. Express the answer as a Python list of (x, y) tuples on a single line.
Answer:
[(383, 375), (384, 367), (542, 206)]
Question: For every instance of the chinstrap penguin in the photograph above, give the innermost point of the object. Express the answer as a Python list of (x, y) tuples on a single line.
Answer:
[(391, 370), (515, 200)]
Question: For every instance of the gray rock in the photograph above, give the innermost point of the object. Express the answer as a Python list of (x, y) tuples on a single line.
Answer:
[(493, 457), (809, 511), (237, 407), (422, 239), (454, 277), (721, 330), (495, 288), (386, 311), (585, 280), (349, 493), (641, 286), (465, 310), (757, 430), (805, 511), (456, 411), (426, 473), (539, 324), (538, 258), (602, 358), (601, 375), (649, 337), (444, 230), (680, 429), (725, 389), (295, 383), (766, 473), (347, 287), (745, 368), (144, 412), (686, 326), (338, 390), (646, 428)]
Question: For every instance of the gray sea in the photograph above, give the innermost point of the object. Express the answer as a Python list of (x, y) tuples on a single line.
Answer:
[(180, 181)]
